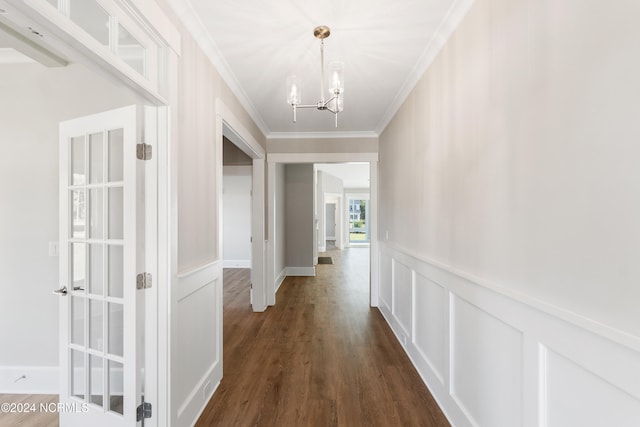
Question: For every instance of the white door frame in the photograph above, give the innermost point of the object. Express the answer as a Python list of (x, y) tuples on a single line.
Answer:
[(227, 124), (65, 38), (337, 199), (272, 160)]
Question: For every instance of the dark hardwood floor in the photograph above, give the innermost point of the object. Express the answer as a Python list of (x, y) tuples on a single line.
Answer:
[(320, 357)]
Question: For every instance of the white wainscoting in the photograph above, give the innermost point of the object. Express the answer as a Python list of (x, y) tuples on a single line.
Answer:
[(197, 341), (495, 360)]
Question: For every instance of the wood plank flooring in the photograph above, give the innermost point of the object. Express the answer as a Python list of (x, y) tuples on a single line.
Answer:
[(320, 357), (31, 417)]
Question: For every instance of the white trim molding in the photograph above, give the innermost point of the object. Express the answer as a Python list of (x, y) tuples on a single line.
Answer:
[(452, 20), (236, 263), (280, 279), (300, 271), (194, 24), (321, 157), (322, 135), (29, 380), (491, 359)]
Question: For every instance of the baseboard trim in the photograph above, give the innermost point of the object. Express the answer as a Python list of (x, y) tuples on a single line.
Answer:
[(280, 278), (37, 380), (301, 271), (197, 400), (236, 263)]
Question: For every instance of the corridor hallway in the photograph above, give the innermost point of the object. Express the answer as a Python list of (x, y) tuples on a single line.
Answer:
[(320, 357)]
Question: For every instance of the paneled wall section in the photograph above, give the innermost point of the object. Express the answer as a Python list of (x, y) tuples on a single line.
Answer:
[(494, 360)]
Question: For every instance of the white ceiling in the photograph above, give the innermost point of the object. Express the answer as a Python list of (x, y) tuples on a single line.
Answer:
[(353, 175), (385, 46)]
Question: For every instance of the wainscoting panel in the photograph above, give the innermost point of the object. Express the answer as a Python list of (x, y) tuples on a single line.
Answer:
[(386, 292), (429, 323), (576, 396), (485, 351), (493, 359), (402, 296), (197, 340)]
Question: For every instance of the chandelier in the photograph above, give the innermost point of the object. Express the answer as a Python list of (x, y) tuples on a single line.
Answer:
[(335, 83)]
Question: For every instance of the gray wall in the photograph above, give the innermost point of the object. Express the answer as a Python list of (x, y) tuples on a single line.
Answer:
[(232, 155), (299, 215)]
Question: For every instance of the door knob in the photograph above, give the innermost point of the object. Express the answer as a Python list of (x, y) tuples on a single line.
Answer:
[(63, 290), (60, 292)]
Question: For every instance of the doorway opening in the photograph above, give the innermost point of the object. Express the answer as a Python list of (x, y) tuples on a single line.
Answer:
[(330, 180), (36, 98), (236, 212), (244, 167)]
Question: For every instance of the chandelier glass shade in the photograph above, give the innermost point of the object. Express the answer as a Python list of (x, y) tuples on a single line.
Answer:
[(334, 84)]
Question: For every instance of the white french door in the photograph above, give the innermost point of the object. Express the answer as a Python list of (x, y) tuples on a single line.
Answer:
[(101, 256)]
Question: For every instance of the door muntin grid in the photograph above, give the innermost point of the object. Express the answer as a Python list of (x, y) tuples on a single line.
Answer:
[(95, 244)]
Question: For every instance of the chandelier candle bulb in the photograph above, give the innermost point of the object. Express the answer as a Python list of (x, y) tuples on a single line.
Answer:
[(294, 95), (336, 85)]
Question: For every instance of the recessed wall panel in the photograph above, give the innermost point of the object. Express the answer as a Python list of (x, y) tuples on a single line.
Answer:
[(385, 280), (487, 362), (430, 322), (402, 306), (578, 397), (197, 336)]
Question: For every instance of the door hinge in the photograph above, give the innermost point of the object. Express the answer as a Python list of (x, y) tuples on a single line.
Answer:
[(143, 281), (144, 151), (143, 412)]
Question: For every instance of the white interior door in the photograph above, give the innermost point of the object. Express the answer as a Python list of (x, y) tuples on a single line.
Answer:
[(101, 252)]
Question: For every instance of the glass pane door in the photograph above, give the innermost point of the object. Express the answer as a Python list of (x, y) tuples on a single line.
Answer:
[(98, 264)]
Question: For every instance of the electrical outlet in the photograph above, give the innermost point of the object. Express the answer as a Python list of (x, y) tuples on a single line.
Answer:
[(205, 390)]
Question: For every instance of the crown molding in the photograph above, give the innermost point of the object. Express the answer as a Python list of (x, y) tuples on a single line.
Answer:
[(449, 24), (321, 157), (190, 19), (322, 135)]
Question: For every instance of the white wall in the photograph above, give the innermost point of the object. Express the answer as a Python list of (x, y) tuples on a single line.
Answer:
[(34, 100), (510, 191), (331, 218), (236, 202)]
